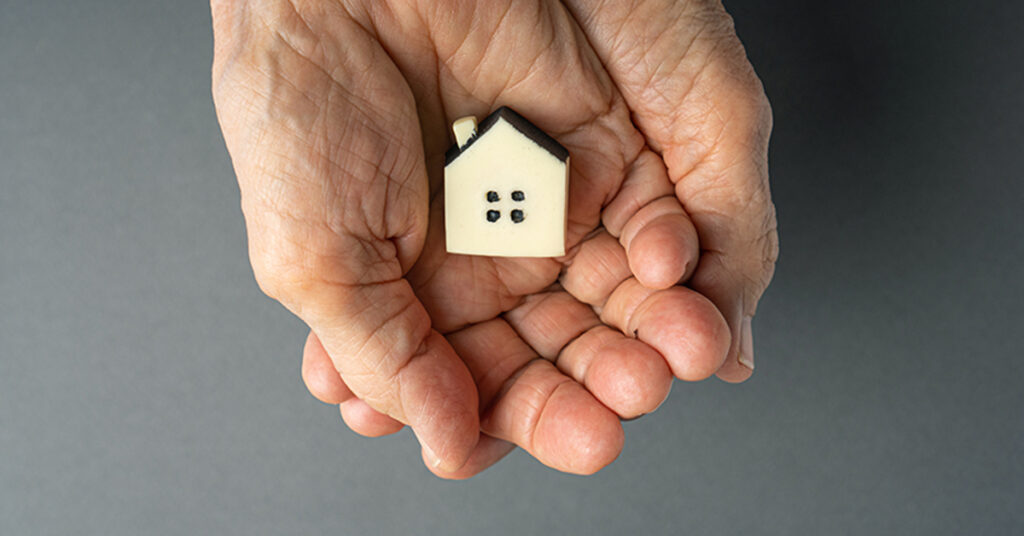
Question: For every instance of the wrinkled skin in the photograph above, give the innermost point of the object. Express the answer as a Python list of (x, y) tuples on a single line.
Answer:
[(336, 114)]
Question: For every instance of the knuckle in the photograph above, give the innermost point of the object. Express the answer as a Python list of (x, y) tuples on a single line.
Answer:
[(283, 276), (285, 268)]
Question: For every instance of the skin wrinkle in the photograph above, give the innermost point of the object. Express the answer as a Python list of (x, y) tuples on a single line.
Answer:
[(633, 196), (534, 304), (709, 218), (647, 86), (530, 74), (359, 104), (506, 87), (589, 280), (378, 363), (337, 84), (474, 71), (219, 11), (634, 329), (657, 70), (397, 378), (505, 292), (724, 131), (540, 412), (379, 233), (506, 386), (312, 258), (625, 327), (596, 337), (568, 345), (317, 44), (364, 21), (487, 376), (583, 226), (626, 241), (270, 207), (536, 414), (422, 99), (481, 59)]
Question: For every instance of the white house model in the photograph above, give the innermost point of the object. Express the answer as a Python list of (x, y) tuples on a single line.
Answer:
[(506, 187)]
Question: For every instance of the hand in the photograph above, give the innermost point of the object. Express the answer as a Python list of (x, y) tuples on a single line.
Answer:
[(336, 115)]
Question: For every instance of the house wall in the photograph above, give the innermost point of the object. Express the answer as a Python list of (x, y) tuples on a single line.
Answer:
[(503, 161)]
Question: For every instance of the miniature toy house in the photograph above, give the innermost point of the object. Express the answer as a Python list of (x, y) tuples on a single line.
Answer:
[(506, 186)]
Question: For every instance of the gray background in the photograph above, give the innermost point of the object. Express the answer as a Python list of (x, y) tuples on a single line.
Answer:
[(147, 387)]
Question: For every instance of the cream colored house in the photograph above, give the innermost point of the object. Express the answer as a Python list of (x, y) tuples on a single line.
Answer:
[(506, 187)]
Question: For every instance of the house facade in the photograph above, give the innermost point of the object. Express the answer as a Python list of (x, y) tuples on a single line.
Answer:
[(506, 186)]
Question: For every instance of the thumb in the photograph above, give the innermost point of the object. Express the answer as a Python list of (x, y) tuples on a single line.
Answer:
[(324, 137), (381, 341)]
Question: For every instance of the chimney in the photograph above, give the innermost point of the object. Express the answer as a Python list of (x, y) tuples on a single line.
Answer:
[(465, 129)]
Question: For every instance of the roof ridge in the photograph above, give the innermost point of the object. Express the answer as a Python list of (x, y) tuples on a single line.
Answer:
[(518, 122)]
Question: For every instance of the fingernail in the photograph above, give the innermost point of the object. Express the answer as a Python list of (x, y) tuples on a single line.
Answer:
[(431, 457), (429, 454), (747, 343)]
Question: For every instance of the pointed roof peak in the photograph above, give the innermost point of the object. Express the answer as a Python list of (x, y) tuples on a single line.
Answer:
[(518, 122)]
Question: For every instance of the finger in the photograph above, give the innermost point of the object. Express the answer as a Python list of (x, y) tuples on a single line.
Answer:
[(681, 324), (738, 233), (324, 137), (681, 68), (394, 362), (735, 297), (324, 382), (598, 267), (318, 372), (530, 403), (488, 452), (660, 240), (549, 321), (661, 243), (563, 426), (626, 375), (366, 421)]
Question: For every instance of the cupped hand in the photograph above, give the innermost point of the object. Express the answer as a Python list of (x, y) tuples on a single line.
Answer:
[(336, 116)]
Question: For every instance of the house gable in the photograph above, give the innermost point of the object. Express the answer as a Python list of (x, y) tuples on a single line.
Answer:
[(517, 122)]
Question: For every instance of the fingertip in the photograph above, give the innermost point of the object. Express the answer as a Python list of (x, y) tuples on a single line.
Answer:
[(688, 330), (630, 377), (733, 372), (600, 265), (576, 433), (440, 400), (664, 252), (742, 368), (366, 421), (746, 357), (555, 419), (488, 452), (318, 373)]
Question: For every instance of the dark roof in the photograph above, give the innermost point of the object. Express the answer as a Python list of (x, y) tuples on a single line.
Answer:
[(518, 122)]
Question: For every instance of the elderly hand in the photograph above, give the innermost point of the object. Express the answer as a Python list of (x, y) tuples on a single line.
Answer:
[(336, 115)]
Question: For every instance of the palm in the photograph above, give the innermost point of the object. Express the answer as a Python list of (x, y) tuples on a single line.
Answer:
[(544, 339)]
